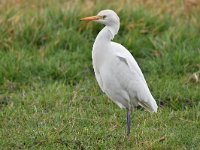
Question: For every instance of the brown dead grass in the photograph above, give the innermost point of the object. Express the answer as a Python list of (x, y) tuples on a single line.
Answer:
[(177, 9), (173, 7)]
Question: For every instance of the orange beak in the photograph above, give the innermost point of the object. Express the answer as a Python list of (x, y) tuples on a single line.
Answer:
[(91, 18)]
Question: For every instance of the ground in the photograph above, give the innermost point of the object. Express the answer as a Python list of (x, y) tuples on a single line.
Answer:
[(49, 98)]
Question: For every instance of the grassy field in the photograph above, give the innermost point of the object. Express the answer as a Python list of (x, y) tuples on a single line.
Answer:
[(49, 98)]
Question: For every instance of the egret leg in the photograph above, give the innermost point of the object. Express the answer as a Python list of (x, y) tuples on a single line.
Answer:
[(128, 121)]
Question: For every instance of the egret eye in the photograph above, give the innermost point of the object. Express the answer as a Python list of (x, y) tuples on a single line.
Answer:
[(104, 16)]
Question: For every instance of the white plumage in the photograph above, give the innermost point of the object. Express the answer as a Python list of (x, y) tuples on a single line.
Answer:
[(116, 71)]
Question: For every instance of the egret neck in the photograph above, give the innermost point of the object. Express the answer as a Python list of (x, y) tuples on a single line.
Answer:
[(108, 32)]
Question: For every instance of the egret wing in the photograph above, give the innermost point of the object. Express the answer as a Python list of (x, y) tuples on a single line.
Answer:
[(138, 83), (124, 55)]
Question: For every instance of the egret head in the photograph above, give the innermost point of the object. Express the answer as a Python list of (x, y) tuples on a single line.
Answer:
[(108, 18)]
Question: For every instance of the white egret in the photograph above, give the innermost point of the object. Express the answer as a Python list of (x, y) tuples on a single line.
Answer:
[(116, 71)]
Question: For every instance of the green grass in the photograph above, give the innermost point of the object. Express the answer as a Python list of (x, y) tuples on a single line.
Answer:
[(49, 98)]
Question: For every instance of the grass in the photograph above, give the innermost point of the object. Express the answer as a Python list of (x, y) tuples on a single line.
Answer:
[(49, 98)]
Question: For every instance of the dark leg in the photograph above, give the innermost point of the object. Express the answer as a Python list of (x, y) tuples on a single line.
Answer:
[(128, 121)]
